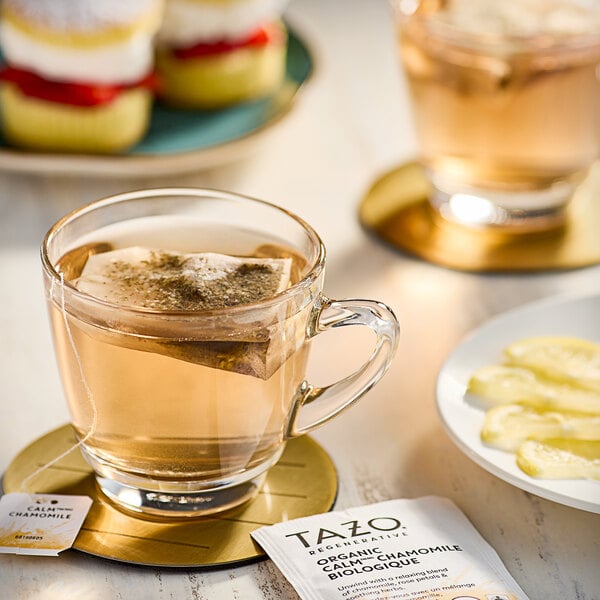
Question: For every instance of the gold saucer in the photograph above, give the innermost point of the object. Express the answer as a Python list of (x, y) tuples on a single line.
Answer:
[(302, 483), (396, 209)]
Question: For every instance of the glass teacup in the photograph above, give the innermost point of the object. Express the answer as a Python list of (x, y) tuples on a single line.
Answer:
[(182, 395)]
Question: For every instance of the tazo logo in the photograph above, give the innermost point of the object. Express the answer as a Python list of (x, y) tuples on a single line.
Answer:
[(349, 529)]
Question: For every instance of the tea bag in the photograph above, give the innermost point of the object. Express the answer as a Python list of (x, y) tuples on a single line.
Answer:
[(166, 280)]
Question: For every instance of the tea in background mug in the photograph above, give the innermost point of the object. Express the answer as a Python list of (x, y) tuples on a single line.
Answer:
[(505, 98), (184, 388)]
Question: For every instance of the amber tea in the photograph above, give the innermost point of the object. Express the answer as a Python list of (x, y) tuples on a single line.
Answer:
[(179, 406)]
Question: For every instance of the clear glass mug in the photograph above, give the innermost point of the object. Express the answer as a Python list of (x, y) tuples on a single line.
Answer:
[(183, 412), (505, 98)]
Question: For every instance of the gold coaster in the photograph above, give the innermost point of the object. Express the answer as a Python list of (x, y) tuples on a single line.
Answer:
[(396, 209), (303, 482)]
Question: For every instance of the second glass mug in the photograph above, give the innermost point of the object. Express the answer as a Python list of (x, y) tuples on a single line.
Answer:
[(183, 412), (505, 99)]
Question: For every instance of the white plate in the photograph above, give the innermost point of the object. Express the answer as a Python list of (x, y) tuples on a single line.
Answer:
[(572, 316)]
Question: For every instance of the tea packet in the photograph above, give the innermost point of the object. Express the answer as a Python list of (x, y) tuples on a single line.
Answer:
[(166, 280), (419, 549)]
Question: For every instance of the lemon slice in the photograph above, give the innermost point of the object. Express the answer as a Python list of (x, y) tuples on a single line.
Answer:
[(560, 459), (501, 384), (507, 426), (564, 359)]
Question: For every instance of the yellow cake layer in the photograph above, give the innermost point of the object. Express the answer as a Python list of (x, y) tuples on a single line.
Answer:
[(50, 126), (148, 21), (210, 82)]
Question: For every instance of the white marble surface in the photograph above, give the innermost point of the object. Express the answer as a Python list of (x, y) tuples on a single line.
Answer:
[(350, 125)]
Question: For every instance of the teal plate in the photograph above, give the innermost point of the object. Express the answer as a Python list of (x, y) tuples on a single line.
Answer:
[(183, 140)]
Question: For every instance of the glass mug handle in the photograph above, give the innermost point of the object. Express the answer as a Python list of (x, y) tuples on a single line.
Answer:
[(316, 405)]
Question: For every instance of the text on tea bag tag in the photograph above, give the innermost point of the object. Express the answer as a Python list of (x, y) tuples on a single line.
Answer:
[(40, 524)]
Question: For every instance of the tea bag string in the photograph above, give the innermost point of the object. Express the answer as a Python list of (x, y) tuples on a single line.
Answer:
[(88, 391)]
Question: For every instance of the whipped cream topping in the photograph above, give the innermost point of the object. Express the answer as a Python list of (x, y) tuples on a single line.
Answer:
[(120, 62), (188, 22), (522, 18), (82, 15)]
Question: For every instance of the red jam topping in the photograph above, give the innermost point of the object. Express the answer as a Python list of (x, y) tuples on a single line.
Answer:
[(77, 94), (261, 37)]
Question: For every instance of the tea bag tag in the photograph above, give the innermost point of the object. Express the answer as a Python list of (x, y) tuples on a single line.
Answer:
[(40, 524)]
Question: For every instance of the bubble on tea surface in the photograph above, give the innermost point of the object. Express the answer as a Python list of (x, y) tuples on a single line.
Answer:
[(165, 280)]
